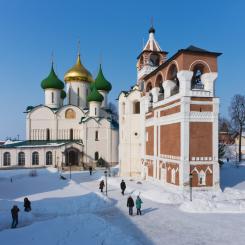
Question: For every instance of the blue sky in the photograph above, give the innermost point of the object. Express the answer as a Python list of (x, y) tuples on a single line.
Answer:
[(113, 30)]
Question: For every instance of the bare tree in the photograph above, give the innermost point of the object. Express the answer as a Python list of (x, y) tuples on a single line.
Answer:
[(225, 125), (237, 112), (113, 109)]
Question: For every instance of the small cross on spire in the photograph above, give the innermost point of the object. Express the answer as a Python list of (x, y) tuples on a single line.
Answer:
[(78, 47), (52, 58), (152, 21)]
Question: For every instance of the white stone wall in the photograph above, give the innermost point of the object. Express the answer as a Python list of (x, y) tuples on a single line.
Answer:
[(94, 108), (54, 102), (106, 145), (43, 118), (130, 135), (77, 93), (56, 156)]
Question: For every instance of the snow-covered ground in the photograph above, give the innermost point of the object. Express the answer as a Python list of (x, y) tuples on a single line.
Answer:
[(75, 212)]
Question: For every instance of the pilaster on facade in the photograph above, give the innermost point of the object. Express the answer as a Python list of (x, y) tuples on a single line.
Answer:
[(185, 139)]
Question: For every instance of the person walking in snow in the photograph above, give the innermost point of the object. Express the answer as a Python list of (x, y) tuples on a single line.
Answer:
[(130, 205), (138, 205), (102, 184), (27, 204), (14, 211), (90, 170), (123, 186)]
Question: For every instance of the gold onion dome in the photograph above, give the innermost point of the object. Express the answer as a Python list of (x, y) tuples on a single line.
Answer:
[(78, 73)]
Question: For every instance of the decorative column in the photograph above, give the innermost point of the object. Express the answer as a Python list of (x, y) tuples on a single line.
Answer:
[(185, 77), (208, 79)]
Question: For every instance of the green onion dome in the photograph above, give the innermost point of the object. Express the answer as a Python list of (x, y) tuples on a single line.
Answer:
[(52, 81), (101, 83), (62, 94), (95, 95), (91, 86)]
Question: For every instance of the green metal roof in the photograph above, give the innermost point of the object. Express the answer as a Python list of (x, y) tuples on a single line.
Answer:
[(95, 95), (101, 83), (39, 143), (52, 81), (62, 94)]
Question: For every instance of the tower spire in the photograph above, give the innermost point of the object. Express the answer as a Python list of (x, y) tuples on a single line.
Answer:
[(78, 47), (152, 29), (52, 58)]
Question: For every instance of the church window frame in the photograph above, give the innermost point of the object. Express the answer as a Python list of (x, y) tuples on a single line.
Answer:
[(96, 135), (35, 158), (173, 176), (71, 136), (202, 178), (96, 156), (78, 97), (136, 107), (6, 159), (49, 158), (52, 97), (21, 158), (47, 134)]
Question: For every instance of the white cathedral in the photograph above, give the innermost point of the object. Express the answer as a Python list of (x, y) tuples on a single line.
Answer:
[(77, 133)]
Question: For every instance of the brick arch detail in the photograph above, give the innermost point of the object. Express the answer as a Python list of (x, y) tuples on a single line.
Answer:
[(200, 62), (174, 62), (157, 76)]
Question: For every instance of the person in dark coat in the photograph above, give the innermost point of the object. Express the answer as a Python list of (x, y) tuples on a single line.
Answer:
[(123, 186), (130, 205), (102, 184), (90, 170), (14, 211), (27, 204)]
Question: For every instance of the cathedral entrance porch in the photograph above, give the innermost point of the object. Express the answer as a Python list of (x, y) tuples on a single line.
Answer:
[(72, 157)]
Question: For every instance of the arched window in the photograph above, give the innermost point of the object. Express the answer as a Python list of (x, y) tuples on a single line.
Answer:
[(159, 82), (78, 97), (148, 87), (71, 134), (172, 75), (69, 92), (154, 59), (70, 114), (52, 95), (49, 158), (173, 176), (6, 159), (35, 158), (136, 107), (196, 82), (21, 158), (47, 134), (202, 178), (96, 135), (96, 155)]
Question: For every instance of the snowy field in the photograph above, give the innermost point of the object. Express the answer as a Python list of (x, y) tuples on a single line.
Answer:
[(75, 212)]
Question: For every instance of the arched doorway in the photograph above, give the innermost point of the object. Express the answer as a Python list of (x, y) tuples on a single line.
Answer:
[(72, 157)]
